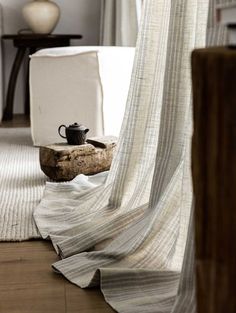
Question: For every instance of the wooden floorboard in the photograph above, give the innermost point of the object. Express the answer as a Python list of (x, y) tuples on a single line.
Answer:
[(29, 285)]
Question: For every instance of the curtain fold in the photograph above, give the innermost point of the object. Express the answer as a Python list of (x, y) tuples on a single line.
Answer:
[(128, 236), (119, 22)]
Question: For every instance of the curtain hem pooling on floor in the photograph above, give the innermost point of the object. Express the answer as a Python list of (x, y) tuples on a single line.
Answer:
[(128, 235)]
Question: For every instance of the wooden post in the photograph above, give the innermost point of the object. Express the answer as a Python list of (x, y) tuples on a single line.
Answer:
[(214, 178)]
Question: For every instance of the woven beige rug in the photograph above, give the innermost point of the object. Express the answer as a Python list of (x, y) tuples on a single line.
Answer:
[(21, 184)]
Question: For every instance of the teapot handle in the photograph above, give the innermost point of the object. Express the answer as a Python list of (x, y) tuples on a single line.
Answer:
[(86, 130), (59, 131)]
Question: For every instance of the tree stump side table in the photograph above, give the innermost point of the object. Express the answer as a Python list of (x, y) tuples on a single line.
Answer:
[(63, 162), (214, 177)]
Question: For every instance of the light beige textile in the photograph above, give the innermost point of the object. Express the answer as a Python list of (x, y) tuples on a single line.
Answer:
[(128, 236), (88, 85), (21, 184), (120, 22)]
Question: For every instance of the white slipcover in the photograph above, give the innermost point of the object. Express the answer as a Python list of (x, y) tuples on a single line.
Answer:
[(88, 85)]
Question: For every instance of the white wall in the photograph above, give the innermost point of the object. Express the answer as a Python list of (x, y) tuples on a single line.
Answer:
[(77, 16)]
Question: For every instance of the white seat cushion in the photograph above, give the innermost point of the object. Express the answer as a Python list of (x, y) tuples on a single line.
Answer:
[(88, 85)]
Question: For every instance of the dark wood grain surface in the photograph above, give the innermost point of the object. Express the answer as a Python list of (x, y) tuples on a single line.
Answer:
[(214, 177), (40, 36)]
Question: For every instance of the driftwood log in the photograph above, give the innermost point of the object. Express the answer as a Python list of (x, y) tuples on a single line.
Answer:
[(214, 178), (62, 162)]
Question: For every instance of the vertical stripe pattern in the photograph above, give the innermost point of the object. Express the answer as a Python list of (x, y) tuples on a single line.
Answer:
[(128, 236), (21, 184), (119, 22)]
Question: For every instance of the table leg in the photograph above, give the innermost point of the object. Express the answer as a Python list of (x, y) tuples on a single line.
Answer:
[(27, 91), (8, 112)]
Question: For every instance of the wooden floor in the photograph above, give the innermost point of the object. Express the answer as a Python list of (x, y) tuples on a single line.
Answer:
[(28, 283)]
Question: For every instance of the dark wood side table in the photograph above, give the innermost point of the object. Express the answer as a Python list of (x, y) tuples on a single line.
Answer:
[(29, 43)]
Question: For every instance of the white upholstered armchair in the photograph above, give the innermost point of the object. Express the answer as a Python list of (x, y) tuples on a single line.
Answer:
[(88, 85)]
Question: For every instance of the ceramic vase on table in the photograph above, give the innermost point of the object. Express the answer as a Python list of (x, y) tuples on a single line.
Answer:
[(41, 16)]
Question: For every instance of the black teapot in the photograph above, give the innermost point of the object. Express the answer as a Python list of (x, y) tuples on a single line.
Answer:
[(75, 133)]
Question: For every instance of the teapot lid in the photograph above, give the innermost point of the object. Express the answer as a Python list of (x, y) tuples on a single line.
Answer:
[(77, 126)]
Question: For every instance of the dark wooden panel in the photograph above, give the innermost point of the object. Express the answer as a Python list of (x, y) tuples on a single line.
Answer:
[(214, 177)]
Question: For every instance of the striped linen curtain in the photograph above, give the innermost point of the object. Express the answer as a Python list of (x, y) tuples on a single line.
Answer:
[(128, 235), (119, 22), (217, 34)]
